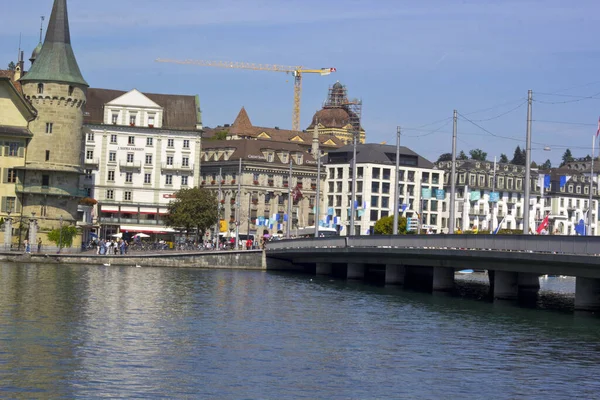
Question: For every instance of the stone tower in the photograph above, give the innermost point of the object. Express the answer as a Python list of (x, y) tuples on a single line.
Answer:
[(49, 184)]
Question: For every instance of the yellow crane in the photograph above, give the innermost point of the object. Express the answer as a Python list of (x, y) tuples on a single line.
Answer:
[(297, 72)]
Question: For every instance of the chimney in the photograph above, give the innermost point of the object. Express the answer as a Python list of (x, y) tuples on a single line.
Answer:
[(19, 67)]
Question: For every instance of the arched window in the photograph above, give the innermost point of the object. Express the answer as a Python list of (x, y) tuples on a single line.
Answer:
[(71, 90), (40, 88)]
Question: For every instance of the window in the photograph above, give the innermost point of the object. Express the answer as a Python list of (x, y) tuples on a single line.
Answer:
[(168, 179), (47, 155), (89, 155), (270, 157), (111, 176), (147, 178), (132, 119), (374, 201), (40, 88), (131, 140), (386, 174), (115, 118), (88, 173), (112, 156), (299, 159), (128, 177), (385, 187), (170, 142), (375, 187), (113, 138), (90, 136), (169, 160), (148, 159), (127, 196), (184, 181), (186, 144), (185, 162), (45, 180), (385, 202), (374, 215), (9, 204), (151, 120), (376, 172), (71, 90), (11, 176), (110, 194), (49, 126), (129, 157), (13, 149), (149, 141)]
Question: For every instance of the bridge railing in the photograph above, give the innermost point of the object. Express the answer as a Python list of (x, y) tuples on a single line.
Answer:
[(583, 245)]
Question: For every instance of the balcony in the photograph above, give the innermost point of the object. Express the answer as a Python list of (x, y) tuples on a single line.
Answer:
[(50, 190), (178, 167), (124, 164), (92, 161)]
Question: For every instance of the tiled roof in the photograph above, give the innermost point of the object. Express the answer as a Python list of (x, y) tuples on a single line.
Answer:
[(5, 73), (180, 111), (372, 153), (252, 150), (56, 61)]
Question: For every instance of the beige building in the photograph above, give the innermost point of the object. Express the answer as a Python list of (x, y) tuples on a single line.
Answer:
[(15, 115)]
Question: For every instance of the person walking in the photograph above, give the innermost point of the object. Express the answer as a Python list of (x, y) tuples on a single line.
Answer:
[(39, 245), (27, 246)]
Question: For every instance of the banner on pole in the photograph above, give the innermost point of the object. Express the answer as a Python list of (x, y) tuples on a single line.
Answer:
[(494, 197), (426, 193)]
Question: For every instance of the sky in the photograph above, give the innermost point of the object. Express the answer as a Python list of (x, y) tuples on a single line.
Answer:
[(410, 62)]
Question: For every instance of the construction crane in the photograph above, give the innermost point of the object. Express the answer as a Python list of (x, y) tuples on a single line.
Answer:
[(297, 72)]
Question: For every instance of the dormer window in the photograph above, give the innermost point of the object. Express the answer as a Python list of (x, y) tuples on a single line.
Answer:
[(71, 88), (132, 119), (151, 121), (270, 157), (115, 118), (299, 159), (40, 88)]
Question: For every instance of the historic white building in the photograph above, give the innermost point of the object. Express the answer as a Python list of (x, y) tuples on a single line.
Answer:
[(419, 182), (139, 150)]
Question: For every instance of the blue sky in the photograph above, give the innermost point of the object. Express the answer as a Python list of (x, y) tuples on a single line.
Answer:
[(411, 62)]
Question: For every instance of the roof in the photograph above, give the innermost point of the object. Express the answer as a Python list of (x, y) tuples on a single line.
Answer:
[(56, 61), (5, 73), (15, 131), (179, 111), (251, 150), (371, 153), (25, 106)]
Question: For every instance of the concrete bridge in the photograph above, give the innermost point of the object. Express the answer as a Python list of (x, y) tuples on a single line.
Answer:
[(514, 262)]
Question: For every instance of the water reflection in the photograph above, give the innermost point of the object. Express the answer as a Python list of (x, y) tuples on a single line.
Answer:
[(94, 331)]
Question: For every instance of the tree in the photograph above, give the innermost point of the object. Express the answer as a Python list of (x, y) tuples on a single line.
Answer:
[(567, 157), (385, 226), (533, 164), (66, 238), (445, 157), (462, 156), (546, 165), (11, 66), (478, 154), (194, 208), (221, 135), (503, 159), (518, 157)]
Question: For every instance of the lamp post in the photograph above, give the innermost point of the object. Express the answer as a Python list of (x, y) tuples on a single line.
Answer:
[(8, 230), (60, 235)]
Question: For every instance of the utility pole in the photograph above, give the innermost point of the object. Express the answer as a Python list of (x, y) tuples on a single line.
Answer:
[(353, 201), (452, 218), (590, 219), (238, 201), (289, 205), (318, 194), (527, 167), (396, 192), (217, 230)]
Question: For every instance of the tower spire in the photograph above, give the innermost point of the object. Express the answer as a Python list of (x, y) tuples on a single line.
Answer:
[(41, 27), (56, 61)]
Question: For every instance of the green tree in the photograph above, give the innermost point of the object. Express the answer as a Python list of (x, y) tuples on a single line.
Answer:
[(194, 208), (462, 156), (445, 157), (503, 159), (534, 164), (221, 135), (518, 157), (385, 226), (546, 165), (567, 157), (478, 154), (66, 238), (11, 66)]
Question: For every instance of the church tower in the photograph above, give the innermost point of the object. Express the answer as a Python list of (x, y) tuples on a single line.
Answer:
[(49, 184)]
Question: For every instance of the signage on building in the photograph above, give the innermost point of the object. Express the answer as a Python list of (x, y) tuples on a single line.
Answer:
[(169, 196), (127, 148), (425, 193), (440, 194), (494, 197), (255, 157)]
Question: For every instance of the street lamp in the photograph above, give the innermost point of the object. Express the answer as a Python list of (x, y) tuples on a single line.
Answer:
[(60, 235)]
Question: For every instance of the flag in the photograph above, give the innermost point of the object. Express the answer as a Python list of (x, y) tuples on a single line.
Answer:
[(499, 225), (542, 226), (563, 181), (296, 194), (285, 217)]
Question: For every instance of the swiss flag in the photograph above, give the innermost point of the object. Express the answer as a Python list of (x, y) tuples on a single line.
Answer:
[(542, 226), (296, 194)]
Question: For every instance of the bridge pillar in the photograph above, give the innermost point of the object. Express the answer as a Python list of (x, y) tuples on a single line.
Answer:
[(587, 294), (323, 268), (355, 271), (394, 274), (506, 285), (529, 284), (443, 279)]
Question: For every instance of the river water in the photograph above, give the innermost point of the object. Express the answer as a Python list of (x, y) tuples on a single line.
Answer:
[(106, 332)]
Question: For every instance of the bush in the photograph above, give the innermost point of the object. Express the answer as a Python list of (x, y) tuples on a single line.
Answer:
[(87, 201)]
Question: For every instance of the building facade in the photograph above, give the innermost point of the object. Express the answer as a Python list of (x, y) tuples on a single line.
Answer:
[(375, 189), (139, 150)]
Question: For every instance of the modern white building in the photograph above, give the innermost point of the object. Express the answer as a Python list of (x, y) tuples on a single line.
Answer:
[(418, 183), (139, 150)]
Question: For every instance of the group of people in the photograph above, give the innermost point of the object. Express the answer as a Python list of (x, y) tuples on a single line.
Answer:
[(28, 246), (111, 247)]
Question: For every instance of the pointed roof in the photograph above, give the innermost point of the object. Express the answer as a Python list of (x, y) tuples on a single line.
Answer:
[(242, 123), (56, 61)]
